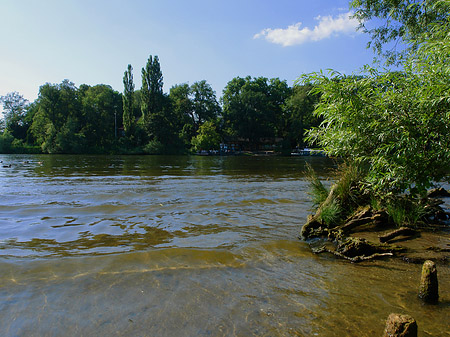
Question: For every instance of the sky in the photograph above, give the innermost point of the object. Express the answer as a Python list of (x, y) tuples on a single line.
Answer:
[(92, 41)]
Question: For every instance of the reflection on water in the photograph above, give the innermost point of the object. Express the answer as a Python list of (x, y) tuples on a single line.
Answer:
[(183, 246)]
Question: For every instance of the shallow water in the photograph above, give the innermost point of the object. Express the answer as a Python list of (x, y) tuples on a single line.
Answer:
[(184, 246)]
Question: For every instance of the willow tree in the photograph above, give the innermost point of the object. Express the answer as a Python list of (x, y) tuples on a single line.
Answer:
[(394, 124), (404, 21)]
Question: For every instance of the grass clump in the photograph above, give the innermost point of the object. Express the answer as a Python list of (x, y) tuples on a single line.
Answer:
[(317, 190), (331, 213), (405, 211)]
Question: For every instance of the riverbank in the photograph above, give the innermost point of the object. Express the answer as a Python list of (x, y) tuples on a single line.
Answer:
[(372, 234)]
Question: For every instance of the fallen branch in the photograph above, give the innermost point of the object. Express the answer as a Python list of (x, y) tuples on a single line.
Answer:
[(358, 258), (402, 231)]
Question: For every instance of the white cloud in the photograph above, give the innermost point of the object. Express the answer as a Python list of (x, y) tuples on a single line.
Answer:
[(295, 35)]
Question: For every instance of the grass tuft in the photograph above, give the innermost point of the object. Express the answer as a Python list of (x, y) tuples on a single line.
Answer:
[(317, 190), (331, 213)]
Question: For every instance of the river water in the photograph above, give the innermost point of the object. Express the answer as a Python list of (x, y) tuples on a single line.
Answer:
[(184, 246)]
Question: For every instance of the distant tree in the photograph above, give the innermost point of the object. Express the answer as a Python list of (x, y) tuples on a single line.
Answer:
[(152, 96), (252, 107), (102, 116), (208, 138), (71, 120), (128, 102), (205, 104), (182, 107), (298, 115), (57, 123), (182, 104), (14, 110)]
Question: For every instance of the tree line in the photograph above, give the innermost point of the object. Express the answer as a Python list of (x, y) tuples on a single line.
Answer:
[(253, 112)]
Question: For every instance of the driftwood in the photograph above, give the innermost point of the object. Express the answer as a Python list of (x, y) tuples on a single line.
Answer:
[(438, 193), (314, 227), (364, 217), (357, 250), (402, 231), (357, 258)]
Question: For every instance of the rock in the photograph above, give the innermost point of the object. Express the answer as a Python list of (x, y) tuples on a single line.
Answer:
[(398, 325), (428, 289)]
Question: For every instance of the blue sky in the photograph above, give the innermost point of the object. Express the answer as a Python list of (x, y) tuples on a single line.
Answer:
[(93, 41)]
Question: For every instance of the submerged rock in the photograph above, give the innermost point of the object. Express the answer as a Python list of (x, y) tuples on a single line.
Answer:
[(398, 325)]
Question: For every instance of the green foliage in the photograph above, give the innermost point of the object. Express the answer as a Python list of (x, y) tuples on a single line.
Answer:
[(129, 119), (71, 120), (348, 186), (404, 22), (331, 213), (182, 104), (59, 109), (208, 138), (101, 116), (390, 128), (152, 96), (6, 140), (192, 106), (97, 119), (317, 190), (204, 102), (344, 197), (394, 123), (154, 147), (405, 211), (252, 107), (298, 115), (15, 114)]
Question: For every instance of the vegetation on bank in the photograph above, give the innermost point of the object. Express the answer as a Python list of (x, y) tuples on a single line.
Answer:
[(390, 128), (64, 118)]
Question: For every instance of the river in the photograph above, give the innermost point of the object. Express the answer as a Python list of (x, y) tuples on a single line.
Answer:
[(184, 246)]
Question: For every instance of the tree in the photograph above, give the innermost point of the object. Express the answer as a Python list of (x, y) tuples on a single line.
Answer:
[(404, 21), (298, 115), (128, 102), (252, 107), (394, 124), (207, 139), (102, 116), (204, 101), (59, 111), (14, 109), (152, 96), (71, 120), (182, 107)]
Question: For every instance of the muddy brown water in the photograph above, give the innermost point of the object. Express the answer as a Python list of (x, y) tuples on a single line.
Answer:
[(184, 246)]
